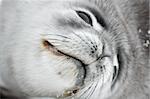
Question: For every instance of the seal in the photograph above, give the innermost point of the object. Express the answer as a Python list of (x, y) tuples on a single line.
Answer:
[(87, 49)]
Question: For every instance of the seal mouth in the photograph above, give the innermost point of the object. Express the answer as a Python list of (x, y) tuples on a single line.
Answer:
[(50, 47), (83, 72), (80, 65)]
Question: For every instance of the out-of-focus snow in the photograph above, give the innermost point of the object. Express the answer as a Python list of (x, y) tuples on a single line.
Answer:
[(148, 32), (147, 41), (140, 30)]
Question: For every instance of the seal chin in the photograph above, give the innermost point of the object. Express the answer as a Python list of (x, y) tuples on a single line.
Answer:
[(98, 79), (92, 80)]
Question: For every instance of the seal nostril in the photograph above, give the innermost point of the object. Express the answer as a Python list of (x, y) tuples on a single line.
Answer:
[(115, 73)]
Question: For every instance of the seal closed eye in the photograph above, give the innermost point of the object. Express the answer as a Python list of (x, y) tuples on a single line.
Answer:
[(98, 16), (86, 17)]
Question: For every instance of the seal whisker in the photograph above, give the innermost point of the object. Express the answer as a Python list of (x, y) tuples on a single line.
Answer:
[(115, 37), (92, 91), (58, 40), (81, 38), (63, 36), (90, 41), (85, 91)]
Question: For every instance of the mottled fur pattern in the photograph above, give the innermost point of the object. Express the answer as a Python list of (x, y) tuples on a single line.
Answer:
[(28, 70)]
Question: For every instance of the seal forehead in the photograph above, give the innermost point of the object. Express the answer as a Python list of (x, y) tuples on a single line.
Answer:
[(70, 22)]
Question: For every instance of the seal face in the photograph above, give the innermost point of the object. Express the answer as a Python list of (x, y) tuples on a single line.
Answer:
[(79, 36), (66, 49), (67, 52)]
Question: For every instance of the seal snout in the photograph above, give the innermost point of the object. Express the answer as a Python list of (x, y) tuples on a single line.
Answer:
[(85, 47)]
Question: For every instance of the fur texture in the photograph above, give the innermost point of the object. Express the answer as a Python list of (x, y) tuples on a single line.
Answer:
[(49, 50)]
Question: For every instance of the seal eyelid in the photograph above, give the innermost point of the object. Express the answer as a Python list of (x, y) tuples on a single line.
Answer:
[(85, 16), (99, 17)]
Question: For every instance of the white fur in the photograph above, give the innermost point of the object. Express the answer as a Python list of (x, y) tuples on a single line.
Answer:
[(28, 69)]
